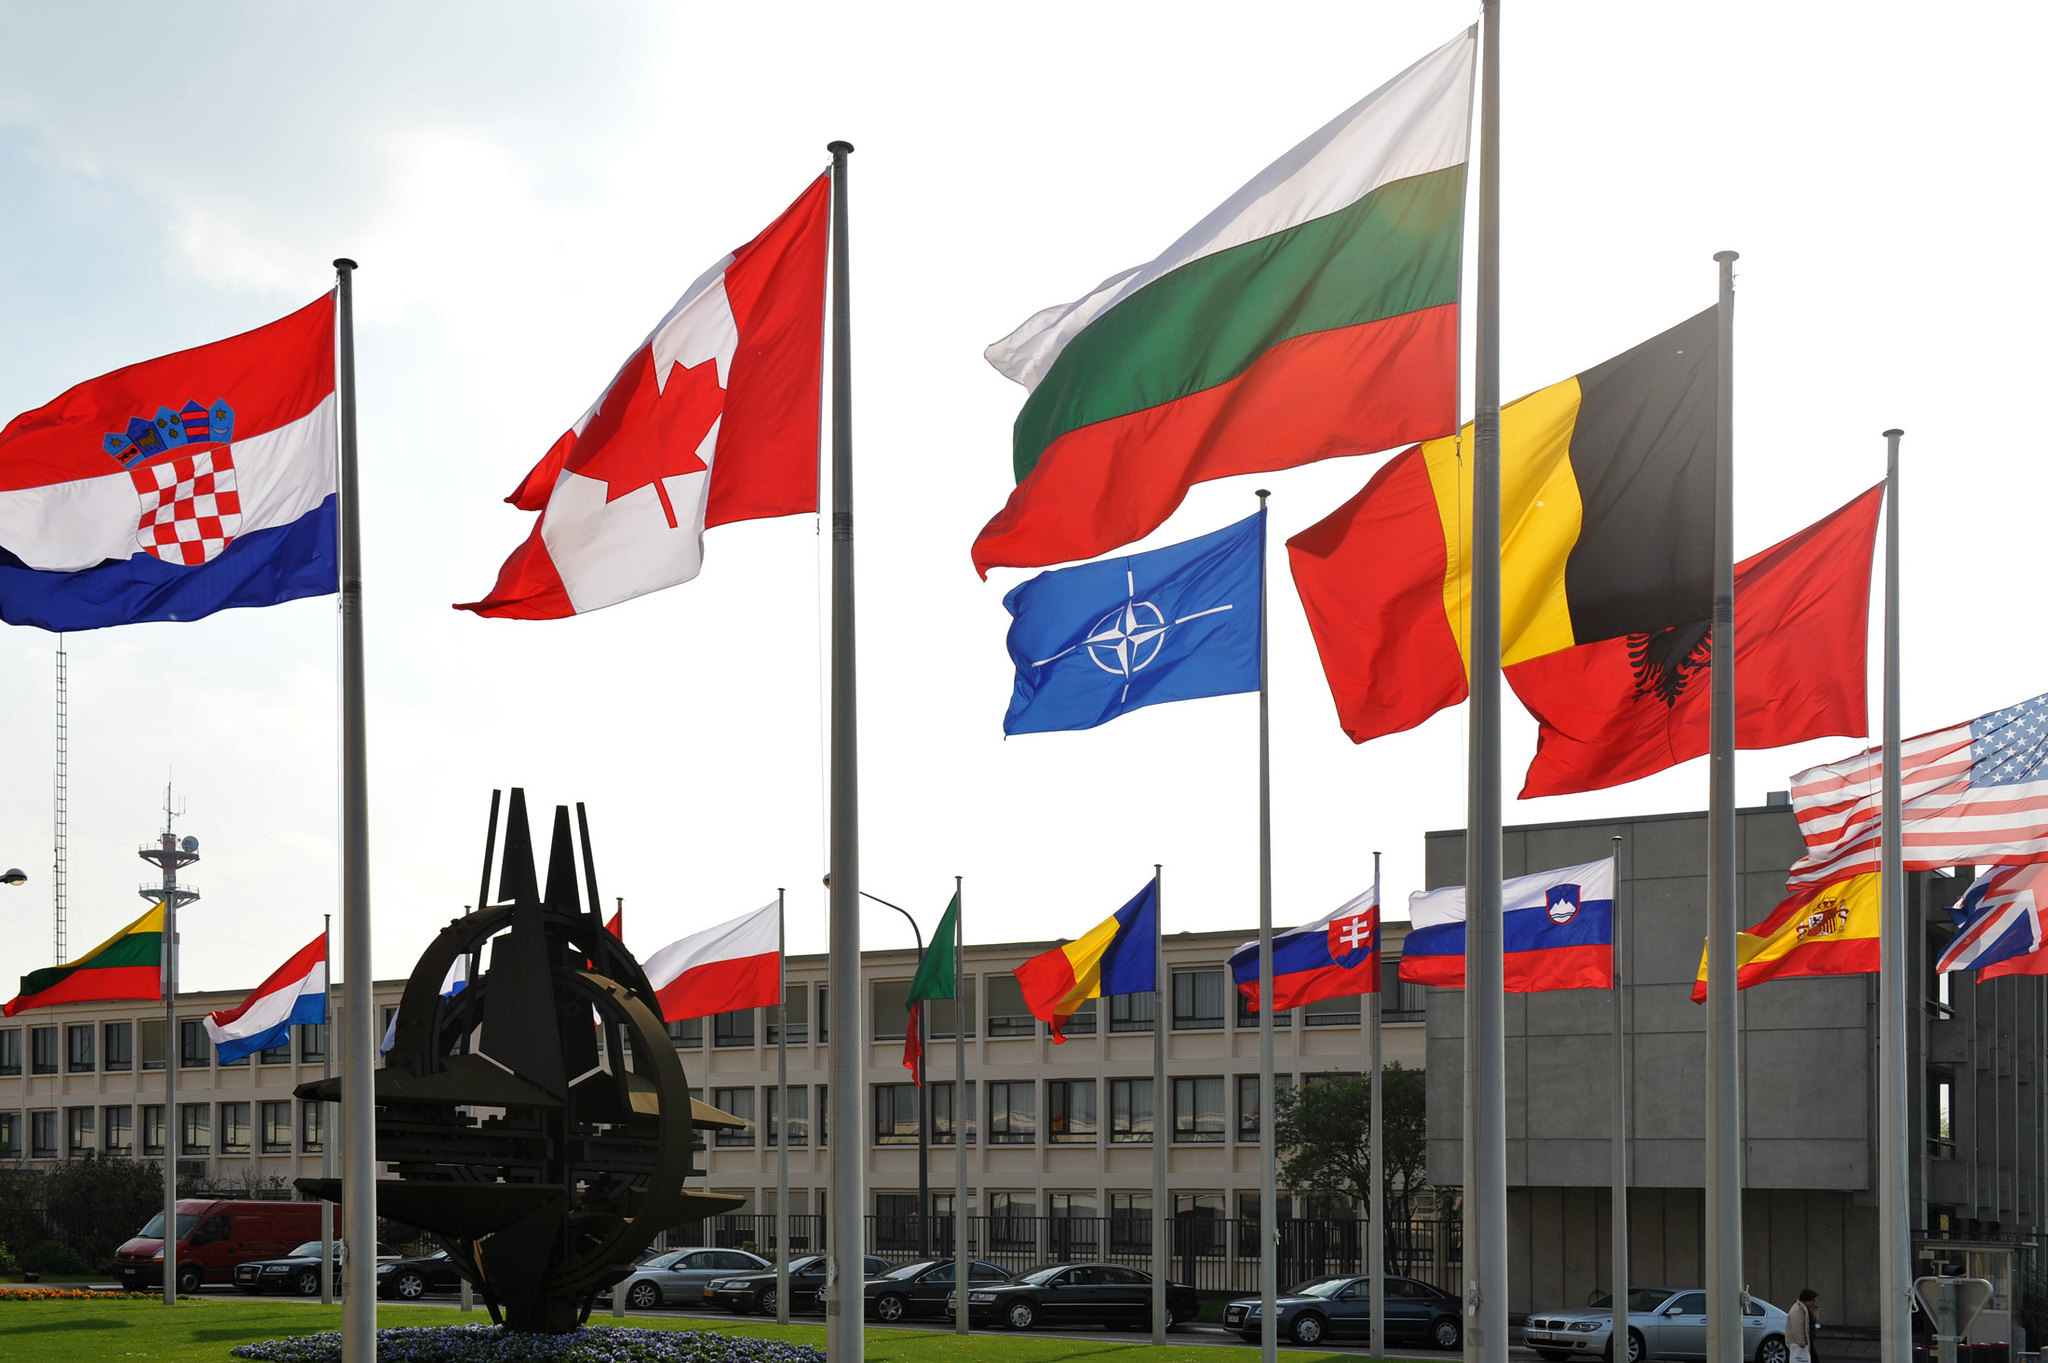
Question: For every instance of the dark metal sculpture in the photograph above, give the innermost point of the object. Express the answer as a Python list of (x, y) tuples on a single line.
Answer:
[(538, 1120)]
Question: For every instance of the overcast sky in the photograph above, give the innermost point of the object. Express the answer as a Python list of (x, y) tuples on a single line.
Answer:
[(528, 187)]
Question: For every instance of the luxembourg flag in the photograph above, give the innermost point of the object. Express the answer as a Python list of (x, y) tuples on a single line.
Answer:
[(296, 992), (1335, 956), (1998, 924), (1559, 927), (737, 964), (176, 487)]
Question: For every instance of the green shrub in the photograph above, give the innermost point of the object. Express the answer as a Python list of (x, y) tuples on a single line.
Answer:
[(54, 1257), (7, 1263)]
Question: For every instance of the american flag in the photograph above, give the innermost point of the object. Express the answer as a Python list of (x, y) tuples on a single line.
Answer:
[(1972, 795), (1998, 919)]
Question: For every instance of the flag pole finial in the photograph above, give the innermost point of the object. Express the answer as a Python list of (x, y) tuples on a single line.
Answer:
[(1727, 255), (1894, 431), (839, 148), (344, 263)]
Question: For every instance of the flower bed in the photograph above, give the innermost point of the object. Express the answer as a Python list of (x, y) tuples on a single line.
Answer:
[(476, 1343), (65, 1294)]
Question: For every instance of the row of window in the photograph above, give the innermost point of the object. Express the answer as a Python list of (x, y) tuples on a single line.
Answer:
[(203, 1129), (1073, 1227), (117, 1047)]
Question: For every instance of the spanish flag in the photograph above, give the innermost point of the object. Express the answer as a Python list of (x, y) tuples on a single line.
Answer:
[(1607, 483), (1119, 955), (128, 965), (1829, 930)]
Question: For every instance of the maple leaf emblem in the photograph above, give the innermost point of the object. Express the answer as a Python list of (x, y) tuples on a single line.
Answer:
[(645, 432)]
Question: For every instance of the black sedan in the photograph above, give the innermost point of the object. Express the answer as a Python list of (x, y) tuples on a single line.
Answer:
[(756, 1291), (411, 1279), (1108, 1295), (921, 1289), (298, 1271), (1341, 1308)]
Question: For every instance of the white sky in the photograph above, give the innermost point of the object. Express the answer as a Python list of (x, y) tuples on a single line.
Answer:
[(528, 187)]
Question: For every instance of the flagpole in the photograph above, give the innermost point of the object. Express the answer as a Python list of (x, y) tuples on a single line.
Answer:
[(1618, 1138), (1894, 1236), (1161, 1255), (845, 1333), (781, 1111), (1375, 1193), (1486, 1237), (1269, 1193), (962, 1279), (170, 954), (327, 1145), (1724, 1134)]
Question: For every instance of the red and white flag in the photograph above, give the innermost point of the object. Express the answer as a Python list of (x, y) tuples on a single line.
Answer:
[(713, 418), (737, 964)]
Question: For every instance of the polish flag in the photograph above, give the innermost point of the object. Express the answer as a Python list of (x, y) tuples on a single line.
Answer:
[(296, 992), (737, 964), (712, 419)]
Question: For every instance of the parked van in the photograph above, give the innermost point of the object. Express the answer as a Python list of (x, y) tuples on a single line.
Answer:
[(214, 1236)]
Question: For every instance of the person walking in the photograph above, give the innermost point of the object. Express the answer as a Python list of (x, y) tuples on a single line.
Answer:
[(1800, 1323)]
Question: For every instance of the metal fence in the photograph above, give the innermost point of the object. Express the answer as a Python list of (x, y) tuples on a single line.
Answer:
[(1218, 1256)]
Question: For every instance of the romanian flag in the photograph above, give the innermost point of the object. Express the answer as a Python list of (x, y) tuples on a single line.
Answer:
[(1829, 930), (1119, 955), (128, 965), (1607, 495)]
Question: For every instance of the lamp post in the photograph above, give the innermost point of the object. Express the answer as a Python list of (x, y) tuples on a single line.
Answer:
[(13, 876)]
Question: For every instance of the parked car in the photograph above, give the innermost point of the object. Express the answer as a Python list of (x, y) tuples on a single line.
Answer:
[(921, 1288), (409, 1279), (756, 1291), (678, 1276), (298, 1271), (1341, 1308), (1108, 1295), (1663, 1322), (213, 1237)]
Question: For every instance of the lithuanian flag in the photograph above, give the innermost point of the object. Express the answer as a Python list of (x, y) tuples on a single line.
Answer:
[(1829, 930), (1606, 504), (1119, 955), (128, 965)]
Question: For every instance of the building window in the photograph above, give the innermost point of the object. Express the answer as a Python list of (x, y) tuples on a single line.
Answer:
[(1399, 998), (1083, 1022), (943, 1109), (42, 1133), (895, 1114), (824, 1017), (118, 1051), (42, 1050), (1007, 1015), (795, 1001), (1130, 1012), (1342, 1011), (153, 1129), (149, 1042), (1071, 1227), (79, 1049), (312, 1127), (740, 1103), (890, 1001), (277, 1128), (1197, 1000), (10, 1051), (688, 1034), (280, 1054), (824, 1100), (234, 1128), (79, 1130), (895, 1221), (194, 1050), (733, 1029), (1249, 1105), (1012, 1220), (944, 1011), (312, 1043), (1248, 1017), (195, 1129), (1198, 1224), (117, 1130), (1198, 1109), (10, 1132), (1130, 1222), (1013, 1112), (1070, 1112), (1130, 1112), (799, 1120)]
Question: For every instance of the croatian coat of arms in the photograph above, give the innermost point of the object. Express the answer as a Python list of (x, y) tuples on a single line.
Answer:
[(183, 469)]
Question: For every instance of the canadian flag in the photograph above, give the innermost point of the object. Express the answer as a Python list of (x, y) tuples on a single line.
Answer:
[(714, 418)]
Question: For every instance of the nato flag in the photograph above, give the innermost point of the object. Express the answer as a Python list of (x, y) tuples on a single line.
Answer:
[(1173, 624)]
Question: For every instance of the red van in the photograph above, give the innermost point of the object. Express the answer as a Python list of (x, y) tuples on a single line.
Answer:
[(215, 1236)]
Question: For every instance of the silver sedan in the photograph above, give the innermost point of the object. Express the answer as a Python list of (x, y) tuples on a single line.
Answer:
[(680, 1274), (1663, 1322)]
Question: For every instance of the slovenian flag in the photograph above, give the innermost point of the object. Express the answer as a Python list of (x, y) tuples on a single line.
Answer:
[(296, 992), (1335, 956), (1119, 955), (176, 487), (1559, 928)]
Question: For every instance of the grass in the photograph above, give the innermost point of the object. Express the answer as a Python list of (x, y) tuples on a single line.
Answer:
[(204, 1329)]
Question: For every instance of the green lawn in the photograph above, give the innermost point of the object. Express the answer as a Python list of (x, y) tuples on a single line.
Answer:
[(206, 1328)]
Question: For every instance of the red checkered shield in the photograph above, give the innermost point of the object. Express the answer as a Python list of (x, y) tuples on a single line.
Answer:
[(191, 510)]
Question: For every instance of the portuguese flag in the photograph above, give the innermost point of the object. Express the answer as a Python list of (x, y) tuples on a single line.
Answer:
[(1831, 929), (128, 965), (1314, 314)]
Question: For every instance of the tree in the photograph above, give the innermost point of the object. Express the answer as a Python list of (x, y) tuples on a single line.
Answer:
[(1321, 1131), (93, 1204)]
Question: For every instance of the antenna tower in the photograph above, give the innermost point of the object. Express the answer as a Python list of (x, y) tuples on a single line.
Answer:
[(60, 794), (170, 854)]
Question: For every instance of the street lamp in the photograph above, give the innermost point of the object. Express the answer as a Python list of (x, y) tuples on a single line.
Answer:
[(14, 876)]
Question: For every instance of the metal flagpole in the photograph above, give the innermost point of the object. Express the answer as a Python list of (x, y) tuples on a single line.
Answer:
[(781, 1111), (170, 954), (1618, 1135), (845, 1333), (1724, 1134), (358, 1058), (1269, 1192), (326, 1145), (1162, 1257), (921, 1017), (1375, 1193), (1486, 1255), (962, 1279), (1895, 1281)]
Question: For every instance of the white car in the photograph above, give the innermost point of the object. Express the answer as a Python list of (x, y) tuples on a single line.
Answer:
[(679, 1276), (1663, 1322)]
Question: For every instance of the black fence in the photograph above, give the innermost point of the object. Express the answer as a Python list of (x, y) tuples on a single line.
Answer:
[(1217, 1256)]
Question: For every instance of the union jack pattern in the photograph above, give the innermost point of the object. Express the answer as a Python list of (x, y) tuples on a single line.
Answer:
[(1998, 919), (191, 509)]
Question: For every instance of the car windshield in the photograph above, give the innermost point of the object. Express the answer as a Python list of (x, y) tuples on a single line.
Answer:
[(1639, 1299), (667, 1260), (909, 1271), (807, 1263), (155, 1229), (1321, 1287), (1039, 1277), (309, 1250)]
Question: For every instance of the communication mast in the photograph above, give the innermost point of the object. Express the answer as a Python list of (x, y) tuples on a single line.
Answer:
[(170, 855)]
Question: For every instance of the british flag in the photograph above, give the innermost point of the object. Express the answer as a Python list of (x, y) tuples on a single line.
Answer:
[(1998, 924)]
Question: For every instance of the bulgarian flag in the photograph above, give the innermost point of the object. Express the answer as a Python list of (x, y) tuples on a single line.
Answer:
[(128, 965), (1314, 314), (1831, 929)]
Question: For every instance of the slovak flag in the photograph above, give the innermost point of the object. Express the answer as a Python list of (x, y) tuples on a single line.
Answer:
[(1559, 929), (1334, 956), (1998, 924), (296, 992), (178, 486), (713, 419), (735, 964)]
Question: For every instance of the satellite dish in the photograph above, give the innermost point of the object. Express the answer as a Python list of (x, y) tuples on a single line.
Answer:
[(190, 844)]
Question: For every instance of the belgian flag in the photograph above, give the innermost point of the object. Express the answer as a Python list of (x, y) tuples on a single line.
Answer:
[(1607, 530), (128, 965)]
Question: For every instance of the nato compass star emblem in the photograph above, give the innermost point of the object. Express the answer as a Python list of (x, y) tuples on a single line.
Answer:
[(1126, 641)]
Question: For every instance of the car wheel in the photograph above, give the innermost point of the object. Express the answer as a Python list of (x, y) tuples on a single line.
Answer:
[(889, 1308), (1308, 1328), (1635, 1348), (1446, 1332), (1772, 1350), (1170, 1321), (643, 1296), (306, 1282), (765, 1300), (189, 1279), (1021, 1315), (411, 1285)]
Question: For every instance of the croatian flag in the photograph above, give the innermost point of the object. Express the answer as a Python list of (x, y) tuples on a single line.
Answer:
[(1334, 956), (296, 992), (1998, 924), (737, 964), (1559, 927), (176, 487)]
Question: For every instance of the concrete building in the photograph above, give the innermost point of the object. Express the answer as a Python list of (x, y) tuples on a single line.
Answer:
[(1808, 1071)]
